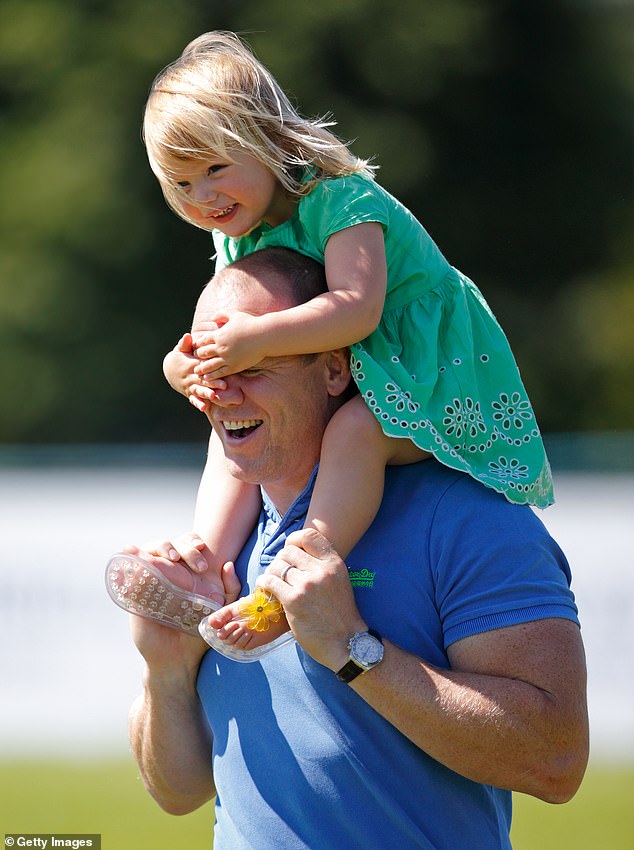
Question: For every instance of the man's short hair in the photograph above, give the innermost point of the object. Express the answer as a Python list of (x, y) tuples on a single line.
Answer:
[(282, 272)]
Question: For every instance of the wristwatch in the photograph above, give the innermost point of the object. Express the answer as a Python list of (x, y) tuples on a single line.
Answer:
[(366, 651)]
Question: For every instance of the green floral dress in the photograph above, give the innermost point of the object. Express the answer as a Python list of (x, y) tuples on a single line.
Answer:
[(438, 369)]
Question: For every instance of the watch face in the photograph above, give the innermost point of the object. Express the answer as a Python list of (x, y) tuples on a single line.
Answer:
[(366, 650)]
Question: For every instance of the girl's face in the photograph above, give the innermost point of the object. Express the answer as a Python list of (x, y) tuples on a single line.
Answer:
[(233, 196)]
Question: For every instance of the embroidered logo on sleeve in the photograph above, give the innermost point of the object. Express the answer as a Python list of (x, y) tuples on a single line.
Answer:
[(362, 578)]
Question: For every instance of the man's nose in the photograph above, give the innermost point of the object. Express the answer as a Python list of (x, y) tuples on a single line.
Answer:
[(232, 395)]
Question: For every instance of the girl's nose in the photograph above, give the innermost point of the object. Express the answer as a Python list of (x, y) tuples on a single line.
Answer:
[(202, 192)]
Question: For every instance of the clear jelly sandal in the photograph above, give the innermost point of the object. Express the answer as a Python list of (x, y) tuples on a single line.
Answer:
[(257, 611), (171, 594)]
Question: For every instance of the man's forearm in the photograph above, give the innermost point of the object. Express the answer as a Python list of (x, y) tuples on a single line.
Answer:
[(172, 744), (492, 729), (509, 711)]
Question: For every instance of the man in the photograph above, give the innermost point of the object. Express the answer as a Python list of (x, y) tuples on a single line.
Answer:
[(479, 684)]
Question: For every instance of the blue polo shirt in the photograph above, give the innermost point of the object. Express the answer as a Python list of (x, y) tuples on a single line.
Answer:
[(299, 759)]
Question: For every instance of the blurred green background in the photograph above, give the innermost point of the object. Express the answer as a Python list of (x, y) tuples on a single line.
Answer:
[(504, 125), (109, 799)]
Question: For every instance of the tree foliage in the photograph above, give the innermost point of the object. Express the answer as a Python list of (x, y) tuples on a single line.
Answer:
[(505, 126)]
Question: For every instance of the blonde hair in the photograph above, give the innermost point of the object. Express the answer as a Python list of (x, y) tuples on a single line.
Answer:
[(217, 98)]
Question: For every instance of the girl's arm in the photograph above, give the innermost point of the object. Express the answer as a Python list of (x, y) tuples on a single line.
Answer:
[(356, 273)]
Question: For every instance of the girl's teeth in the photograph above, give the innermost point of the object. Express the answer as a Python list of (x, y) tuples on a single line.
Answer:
[(226, 211)]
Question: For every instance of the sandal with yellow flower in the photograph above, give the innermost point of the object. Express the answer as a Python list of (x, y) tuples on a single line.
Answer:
[(248, 629)]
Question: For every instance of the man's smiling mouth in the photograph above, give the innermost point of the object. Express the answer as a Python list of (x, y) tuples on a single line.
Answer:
[(239, 428)]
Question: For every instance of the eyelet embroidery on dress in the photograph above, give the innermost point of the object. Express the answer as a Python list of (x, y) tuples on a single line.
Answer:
[(468, 431), (465, 418), (511, 410), (400, 399)]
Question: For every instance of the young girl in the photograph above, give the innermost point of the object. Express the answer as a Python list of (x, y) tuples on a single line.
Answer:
[(434, 369)]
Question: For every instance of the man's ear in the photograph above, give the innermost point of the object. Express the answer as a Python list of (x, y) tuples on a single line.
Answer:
[(338, 375)]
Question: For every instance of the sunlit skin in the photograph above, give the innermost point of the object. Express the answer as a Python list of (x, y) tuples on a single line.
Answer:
[(268, 395), (518, 692), (236, 197), (233, 196)]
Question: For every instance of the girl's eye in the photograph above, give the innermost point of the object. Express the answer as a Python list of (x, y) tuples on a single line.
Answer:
[(213, 168), (183, 185)]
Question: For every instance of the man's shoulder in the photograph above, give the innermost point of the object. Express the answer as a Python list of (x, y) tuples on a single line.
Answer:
[(436, 496), (430, 482)]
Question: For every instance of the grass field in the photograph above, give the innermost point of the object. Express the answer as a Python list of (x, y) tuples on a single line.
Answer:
[(108, 798)]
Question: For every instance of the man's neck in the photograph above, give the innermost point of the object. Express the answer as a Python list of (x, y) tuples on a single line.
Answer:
[(283, 497)]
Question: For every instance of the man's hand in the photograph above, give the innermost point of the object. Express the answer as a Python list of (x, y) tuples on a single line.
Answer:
[(317, 596), (218, 582), (165, 649), (169, 735), (518, 691)]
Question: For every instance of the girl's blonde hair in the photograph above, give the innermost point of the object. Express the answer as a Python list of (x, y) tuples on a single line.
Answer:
[(217, 98)]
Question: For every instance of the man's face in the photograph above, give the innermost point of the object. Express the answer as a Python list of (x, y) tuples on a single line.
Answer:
[(270, 418)]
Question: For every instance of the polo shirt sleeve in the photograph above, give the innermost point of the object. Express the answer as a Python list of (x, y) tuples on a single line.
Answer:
[(495, 564)]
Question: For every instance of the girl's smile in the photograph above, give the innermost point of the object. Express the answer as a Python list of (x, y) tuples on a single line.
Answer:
[(225, 215), (233, 196)]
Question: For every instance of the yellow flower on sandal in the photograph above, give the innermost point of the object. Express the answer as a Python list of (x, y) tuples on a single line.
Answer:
[(259, 609)]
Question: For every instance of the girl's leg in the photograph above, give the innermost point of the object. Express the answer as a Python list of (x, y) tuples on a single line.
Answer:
[(347, 496), (226, 508), (226, 511), (349, 486)]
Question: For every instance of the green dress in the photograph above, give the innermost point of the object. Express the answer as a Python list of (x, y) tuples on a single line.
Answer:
[(438, 369)]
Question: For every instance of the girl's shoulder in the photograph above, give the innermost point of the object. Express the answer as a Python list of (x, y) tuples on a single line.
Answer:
[(335, 203), (343, 189)]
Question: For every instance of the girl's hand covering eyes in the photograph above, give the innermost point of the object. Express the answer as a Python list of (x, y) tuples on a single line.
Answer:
[(237, 345), (179, 367)]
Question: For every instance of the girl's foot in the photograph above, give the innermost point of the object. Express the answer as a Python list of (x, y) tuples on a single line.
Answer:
[(250, 622)]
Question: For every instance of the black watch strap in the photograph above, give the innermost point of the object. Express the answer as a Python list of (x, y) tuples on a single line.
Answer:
[(351, 669)]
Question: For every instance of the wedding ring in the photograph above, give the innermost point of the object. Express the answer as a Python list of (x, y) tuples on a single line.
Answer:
[(285, 571)]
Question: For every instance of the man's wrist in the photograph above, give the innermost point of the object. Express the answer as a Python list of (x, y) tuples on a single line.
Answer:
[(365, 652), (340, 650), (170, 679)]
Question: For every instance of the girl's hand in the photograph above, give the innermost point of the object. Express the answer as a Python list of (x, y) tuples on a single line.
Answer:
[(179, 368), (201, 394), (238, 344), (179, 365)]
